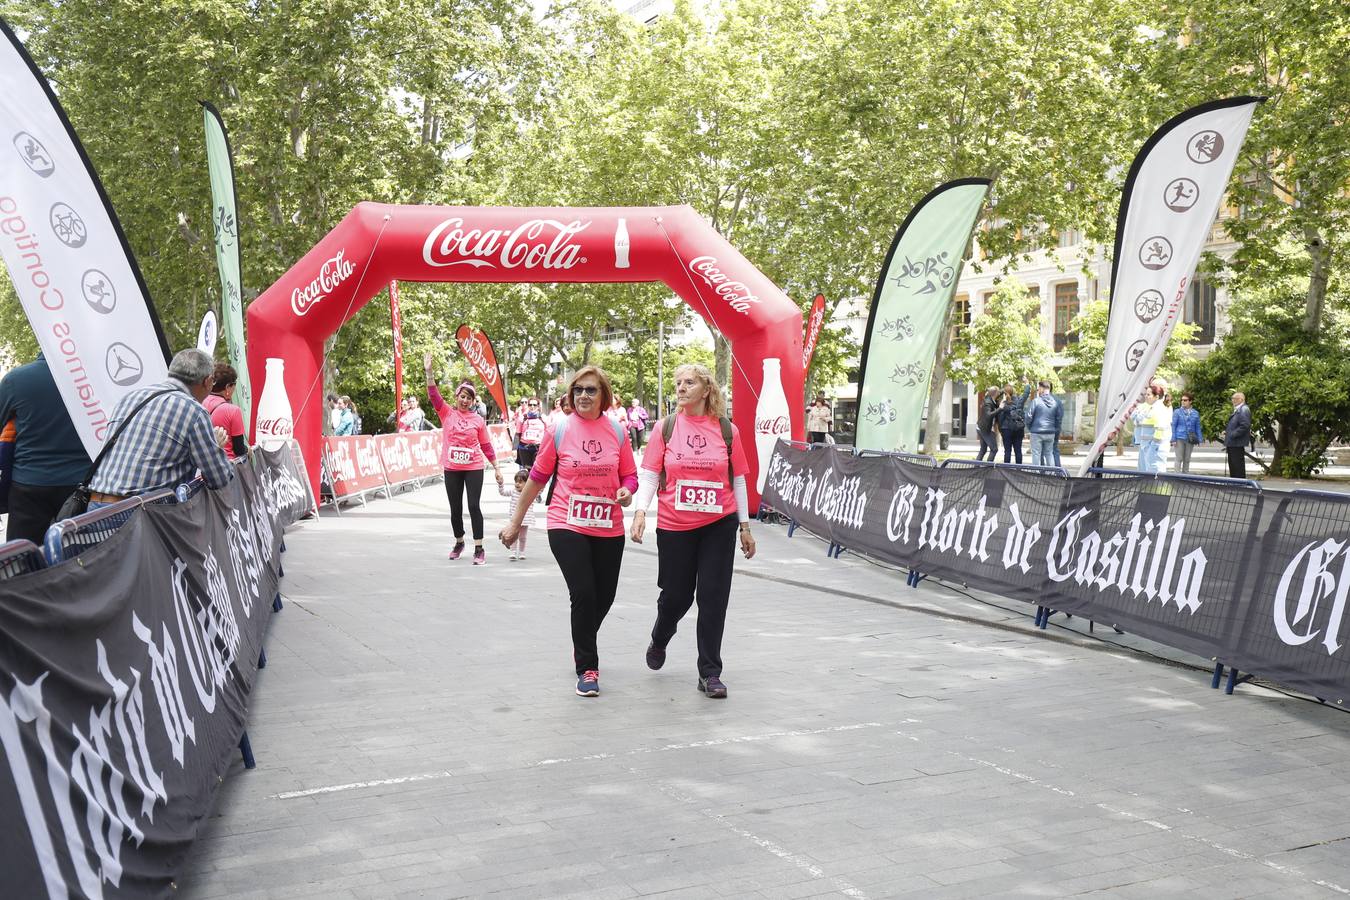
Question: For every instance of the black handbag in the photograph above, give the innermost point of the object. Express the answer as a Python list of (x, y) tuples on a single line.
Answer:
[(77, 504)]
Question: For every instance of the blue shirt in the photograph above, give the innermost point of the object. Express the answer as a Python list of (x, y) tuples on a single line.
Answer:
[(1041, 416), (346, 422), (162, 446), (48, 451), (1185, 422)]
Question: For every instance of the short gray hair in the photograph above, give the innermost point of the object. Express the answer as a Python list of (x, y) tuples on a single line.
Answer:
[(192, 366)]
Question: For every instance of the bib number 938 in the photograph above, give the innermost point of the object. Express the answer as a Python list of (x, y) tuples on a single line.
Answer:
[(698, 496)]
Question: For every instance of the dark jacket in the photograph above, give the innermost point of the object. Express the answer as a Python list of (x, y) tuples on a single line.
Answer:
[(48, 451), (1238, 431), (1042, 417), (988, 412), (1012, 415)]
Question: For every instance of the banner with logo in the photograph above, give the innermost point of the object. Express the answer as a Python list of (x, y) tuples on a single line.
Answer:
[(502, 442), (397, 326), (814, 323), (1171, 197), (353, 463), (225, 223), (69, 261), (125, 678), (909, 309), (409, 456), (1255, 579), (478, 351)]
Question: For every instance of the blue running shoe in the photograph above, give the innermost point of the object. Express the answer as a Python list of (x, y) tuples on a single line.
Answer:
[(588, 685), (713, 687)]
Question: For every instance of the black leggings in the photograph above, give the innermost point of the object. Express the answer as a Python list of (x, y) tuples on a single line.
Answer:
[(455, 483), (590, 566), (696, 560)]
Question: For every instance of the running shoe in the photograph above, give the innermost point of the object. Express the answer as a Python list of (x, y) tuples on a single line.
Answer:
[(479, 556), (713, 687), (512, 557), (656, 656), (588, 685), (459, 549)]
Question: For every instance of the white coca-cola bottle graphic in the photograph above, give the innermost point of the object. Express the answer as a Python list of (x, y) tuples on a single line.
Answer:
[(771, 418), (275, 422), (621, 245)]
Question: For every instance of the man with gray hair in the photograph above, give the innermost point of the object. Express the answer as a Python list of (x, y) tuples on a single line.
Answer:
[(167, 441)]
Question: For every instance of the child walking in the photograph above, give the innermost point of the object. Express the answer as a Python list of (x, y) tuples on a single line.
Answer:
[(513, 492)]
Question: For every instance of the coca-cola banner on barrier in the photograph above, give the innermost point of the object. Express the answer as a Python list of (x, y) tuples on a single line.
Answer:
[(502, 444), (815, 321), (353, 463), (1254, 579), (409, 456), (377, 243), (478, 351)]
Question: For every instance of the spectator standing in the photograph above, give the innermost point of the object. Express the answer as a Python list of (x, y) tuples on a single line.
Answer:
[(1012, 421), (1237, 433), (167, 441), (637, 423), (1146, 431), (412, 418), (819, 419), (1042, 426), (1186, 431), (986, 426), (224, 414), (334, 417), (1162, 404), (346, 420), (49, 458)]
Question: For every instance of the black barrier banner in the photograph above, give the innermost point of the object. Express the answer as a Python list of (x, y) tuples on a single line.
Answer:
[(1216, 568), (124, 683)]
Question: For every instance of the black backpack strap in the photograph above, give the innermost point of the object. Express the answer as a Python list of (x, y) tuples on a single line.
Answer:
[(729, 437), (116, 434), (667, 432)]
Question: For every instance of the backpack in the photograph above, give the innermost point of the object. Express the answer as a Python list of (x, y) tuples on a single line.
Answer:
[(558, 433), (668, 431)]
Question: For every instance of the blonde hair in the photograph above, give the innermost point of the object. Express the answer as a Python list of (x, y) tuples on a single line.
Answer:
[(606, 397), (717, 401)]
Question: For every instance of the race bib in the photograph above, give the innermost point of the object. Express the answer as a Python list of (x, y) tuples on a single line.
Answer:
[(698, 496), (534, 431), (462, 456), (590, 512)]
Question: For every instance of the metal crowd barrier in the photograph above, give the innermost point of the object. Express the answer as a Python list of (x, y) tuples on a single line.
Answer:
[(71, 537), (958, 463), (20, 557), (1179, 476)]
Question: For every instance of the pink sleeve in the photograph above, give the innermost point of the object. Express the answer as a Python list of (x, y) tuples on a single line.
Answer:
[(546, 461), (437, 402), (627, 467), (652, 457), (485, 441), (740, 465)]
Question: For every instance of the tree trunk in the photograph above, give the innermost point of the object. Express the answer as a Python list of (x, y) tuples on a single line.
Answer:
[(721, 359), (935, 384), (1320, 254)]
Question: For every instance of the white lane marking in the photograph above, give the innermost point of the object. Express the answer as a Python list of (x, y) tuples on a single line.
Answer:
[(357, 785), (692, 745), (798, 860)]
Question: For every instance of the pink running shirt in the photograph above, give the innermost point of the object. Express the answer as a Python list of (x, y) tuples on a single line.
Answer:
[(592, 464), (464, 436), (227, 416), (697, 490)]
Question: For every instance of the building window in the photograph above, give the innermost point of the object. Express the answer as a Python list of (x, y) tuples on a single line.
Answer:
[(1066, 308), (1070, 237), (1200, 309), (961, 314)]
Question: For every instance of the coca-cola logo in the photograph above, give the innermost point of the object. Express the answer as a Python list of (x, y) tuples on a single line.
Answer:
[(279, 427), (772, 425), (812, 332), (536, 244), (735, 293), (475, 351), (331, 274)]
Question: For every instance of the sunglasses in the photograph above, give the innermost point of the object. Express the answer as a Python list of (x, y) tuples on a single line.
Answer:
[(588, 390)]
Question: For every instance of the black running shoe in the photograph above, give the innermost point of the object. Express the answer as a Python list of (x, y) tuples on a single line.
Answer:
[(713, 687), (656, 657)]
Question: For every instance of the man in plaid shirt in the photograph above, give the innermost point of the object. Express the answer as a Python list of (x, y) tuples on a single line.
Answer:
[(168, 441)]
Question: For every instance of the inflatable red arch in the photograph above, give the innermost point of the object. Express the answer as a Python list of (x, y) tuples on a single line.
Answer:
[(376, 243)]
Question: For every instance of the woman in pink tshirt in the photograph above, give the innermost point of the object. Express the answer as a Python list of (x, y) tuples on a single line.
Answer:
[(595, 476), (224, 414), (464, 445), (695, 465)]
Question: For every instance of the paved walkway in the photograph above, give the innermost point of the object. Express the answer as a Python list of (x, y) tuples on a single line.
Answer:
[(417, 736)]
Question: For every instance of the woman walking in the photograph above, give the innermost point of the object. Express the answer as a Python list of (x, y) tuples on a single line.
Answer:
[(588, 455), (464, 446), (696, 465), (1186, 431)]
